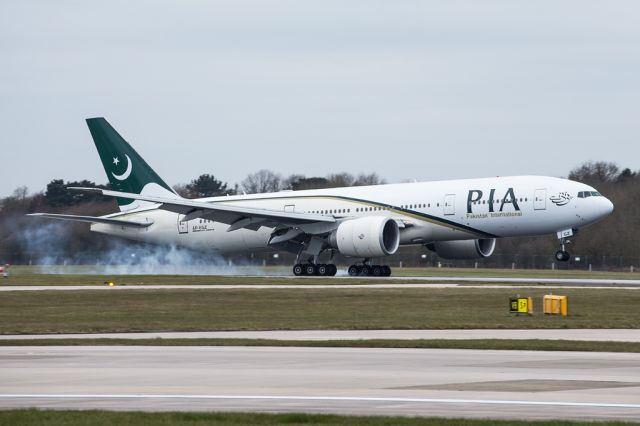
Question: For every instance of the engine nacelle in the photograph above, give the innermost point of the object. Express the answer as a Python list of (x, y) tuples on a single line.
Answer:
[(372, 236), (464, 249)]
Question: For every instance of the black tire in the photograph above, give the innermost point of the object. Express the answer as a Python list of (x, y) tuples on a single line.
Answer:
[(562, 256), (365, 270), (386, 271), (323, 270), (298, 270), (353, 271), (310, 269), (333, 270), (376, 270)]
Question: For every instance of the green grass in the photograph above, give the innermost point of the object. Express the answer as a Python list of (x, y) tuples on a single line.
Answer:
[(489, 344), (200, 310), (127, 418)]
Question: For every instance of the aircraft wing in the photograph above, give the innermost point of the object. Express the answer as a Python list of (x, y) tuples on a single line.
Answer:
[(93, 219), (236, 216)]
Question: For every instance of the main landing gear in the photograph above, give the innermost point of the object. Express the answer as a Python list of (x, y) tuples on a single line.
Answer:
[(322, 269), (365, 270)]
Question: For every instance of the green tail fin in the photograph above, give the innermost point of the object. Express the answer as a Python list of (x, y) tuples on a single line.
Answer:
[(125, 168)]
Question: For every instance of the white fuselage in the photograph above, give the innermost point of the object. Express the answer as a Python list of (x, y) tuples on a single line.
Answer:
[(427, 211)]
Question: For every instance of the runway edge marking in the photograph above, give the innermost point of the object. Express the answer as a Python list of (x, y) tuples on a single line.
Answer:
[(325, 398)]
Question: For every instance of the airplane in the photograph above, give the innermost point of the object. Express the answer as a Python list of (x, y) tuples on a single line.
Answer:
[(457, 219)]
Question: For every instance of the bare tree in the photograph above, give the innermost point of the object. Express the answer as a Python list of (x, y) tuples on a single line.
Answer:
[(338, 180), (262, 181), (20, 193), (181, 190), (370, 179), (594, 172)]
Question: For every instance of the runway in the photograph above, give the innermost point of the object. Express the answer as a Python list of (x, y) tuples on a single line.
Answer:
[(605, 335), (380, 285), (429, 382)]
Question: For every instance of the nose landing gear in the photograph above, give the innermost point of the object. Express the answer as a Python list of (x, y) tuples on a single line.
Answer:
[(563, 255)]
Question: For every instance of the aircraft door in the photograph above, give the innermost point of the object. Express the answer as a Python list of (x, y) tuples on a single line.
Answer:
[(540, 199), (450, 204), (183, 225), (290, 208)]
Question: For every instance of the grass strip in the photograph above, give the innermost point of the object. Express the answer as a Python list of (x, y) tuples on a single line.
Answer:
[(41, 312), (488, 344), (130, 418)]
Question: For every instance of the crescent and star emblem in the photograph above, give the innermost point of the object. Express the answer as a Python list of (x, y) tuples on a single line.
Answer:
[(126, 172)]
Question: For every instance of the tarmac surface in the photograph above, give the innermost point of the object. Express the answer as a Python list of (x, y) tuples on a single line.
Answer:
[(408, 382), (342, 282), (610, 335), (306, 286)]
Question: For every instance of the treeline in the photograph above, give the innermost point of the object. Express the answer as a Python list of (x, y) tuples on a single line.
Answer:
[(24, 239), (612, 243), (267, 181)]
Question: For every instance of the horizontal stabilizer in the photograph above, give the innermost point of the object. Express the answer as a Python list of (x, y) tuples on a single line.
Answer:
[(93, 219)]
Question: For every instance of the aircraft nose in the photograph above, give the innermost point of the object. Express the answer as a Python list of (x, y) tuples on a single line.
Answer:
[(607, 206)]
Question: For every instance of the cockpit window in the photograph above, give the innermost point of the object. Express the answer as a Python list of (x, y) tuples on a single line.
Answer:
[(585, 194)]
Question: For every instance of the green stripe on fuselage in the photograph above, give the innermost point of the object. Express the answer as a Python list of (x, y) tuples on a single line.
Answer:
[(404, 212)]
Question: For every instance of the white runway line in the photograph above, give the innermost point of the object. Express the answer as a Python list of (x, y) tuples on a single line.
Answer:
[(323, 398), (610, 335), (405, 286)]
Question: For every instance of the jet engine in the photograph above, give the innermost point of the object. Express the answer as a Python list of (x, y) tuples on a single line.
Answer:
[(372, 236), (464, 249)]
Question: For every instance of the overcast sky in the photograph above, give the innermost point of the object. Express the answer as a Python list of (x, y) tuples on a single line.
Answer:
[(408, 89)]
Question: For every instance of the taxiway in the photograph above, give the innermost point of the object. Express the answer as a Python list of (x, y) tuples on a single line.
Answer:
[(428, 382)]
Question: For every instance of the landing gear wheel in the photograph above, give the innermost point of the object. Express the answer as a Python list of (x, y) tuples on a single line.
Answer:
[(376, 270), (386, 271), (310, 269), (332, 270), (298, 270), (353, 270), (562, 256), (365, 270), (323, 270)]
